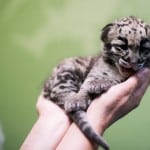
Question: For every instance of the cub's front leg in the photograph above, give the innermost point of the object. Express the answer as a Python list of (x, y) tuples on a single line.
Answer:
[(90, 89), (97, 87)]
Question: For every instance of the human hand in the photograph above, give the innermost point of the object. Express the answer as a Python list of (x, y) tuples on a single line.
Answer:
[(118, 101), (48, 109)]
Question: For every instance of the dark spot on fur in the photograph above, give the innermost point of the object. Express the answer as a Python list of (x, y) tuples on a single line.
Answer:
[(68, 77), (134, 29), (79, 61), (129, 32), (105, 73), (120, 30), (147, 28), (121, 25), (141, 25), (61, 79), (62, 87)]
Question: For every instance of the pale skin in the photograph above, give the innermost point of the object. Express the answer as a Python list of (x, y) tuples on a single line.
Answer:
[(53, 130)]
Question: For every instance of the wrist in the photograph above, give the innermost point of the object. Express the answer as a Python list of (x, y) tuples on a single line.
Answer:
[(49, 110), (46, 128), (57, 117), (99, 124), (97, 117)]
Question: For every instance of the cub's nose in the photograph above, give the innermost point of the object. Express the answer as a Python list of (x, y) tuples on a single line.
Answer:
[(137, 65)]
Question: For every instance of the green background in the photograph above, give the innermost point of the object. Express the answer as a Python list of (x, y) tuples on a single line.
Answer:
[(34, 36)]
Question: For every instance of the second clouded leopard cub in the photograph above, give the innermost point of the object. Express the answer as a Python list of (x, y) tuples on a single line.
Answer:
[(77, 81)]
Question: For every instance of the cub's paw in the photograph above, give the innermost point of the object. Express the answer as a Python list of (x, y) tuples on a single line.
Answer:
[(99, 87), (77, 105)]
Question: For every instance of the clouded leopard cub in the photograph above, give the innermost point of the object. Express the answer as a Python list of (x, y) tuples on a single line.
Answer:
[(77, 81)]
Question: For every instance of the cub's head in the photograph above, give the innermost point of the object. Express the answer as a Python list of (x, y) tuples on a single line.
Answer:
[(127, 43)]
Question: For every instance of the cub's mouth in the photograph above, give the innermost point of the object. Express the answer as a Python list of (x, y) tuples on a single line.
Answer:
[(124, 64), (130, 66), (125, 68)]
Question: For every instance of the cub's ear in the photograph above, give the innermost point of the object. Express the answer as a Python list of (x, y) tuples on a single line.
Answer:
[(105, 31)]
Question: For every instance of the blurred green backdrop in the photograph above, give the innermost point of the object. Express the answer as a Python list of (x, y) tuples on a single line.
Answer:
[(34, 36)]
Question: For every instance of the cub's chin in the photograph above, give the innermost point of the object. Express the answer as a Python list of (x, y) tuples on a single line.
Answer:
[(125, 72), (124, 68)]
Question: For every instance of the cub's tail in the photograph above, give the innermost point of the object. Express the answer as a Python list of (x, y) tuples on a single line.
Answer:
[(80, 118)]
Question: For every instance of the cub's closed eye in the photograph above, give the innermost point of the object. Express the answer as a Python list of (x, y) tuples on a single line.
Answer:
[(120, 46), (124, 47), (145, 51), (145, 48), (145, 45)]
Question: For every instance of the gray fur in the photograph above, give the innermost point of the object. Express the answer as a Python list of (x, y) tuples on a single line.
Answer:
[(77, 81)]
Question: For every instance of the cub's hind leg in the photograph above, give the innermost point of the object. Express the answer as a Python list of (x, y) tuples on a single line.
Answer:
[(66, 80)]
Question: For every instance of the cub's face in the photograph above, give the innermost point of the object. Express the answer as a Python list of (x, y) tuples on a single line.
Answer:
[(127, 42)]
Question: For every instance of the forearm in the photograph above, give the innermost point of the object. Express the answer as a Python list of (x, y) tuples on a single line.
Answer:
[(49, 129), (39, 138), (46, 133), (74, 139)]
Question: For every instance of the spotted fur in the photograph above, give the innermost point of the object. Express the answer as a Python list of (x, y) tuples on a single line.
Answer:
[(77, 81)]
